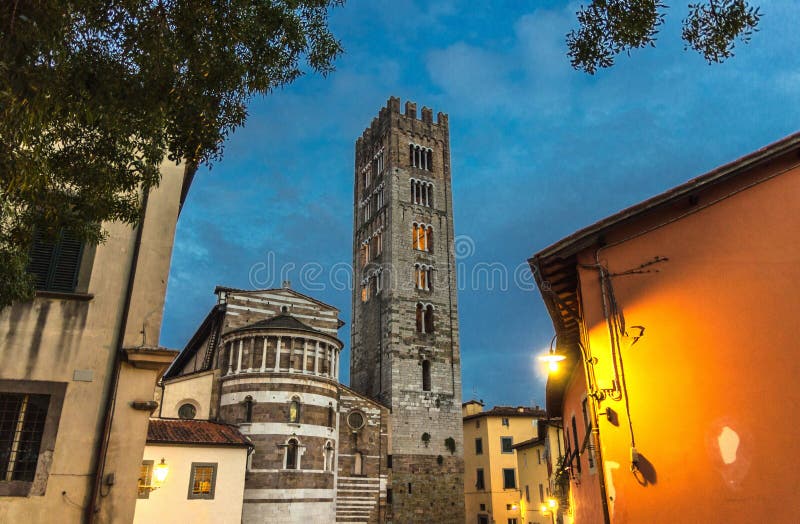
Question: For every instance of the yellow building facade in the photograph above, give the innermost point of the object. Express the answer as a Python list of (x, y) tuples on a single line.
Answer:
[(80, 363), (492, 482)]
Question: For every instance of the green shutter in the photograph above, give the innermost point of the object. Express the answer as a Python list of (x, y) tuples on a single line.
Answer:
[(55, 265)]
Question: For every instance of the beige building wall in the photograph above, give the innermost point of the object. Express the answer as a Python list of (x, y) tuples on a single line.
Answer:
[(500, 503), (192, 389), (69, 340), (171, 502), (533, 482)]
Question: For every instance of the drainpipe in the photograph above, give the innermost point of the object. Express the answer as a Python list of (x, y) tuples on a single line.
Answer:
[(101, 449)]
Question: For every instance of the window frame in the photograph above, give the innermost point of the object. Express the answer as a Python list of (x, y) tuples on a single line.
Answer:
[(513, 478), (503, 448), (480, 479), (143, 484), (212, 489), (56, 391), (478, 446)]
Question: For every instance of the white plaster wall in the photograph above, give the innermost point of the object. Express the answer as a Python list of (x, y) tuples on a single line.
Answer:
[(290, 513), (170, 503)]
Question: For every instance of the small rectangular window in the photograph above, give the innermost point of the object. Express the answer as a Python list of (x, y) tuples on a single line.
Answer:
[(509, 478), (528, 493), (479, 446), (512, 521), (202, 481), (389, 461), (483, 507), (479, 481), (54, 264), (504, 421), (145, 479), (506, 443), (388, 495), (541, 493), (483, 519)]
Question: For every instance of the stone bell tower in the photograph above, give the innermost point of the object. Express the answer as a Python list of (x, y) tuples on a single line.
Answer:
[(405, 351)]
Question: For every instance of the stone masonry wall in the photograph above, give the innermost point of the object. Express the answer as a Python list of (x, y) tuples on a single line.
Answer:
[(387, 351)]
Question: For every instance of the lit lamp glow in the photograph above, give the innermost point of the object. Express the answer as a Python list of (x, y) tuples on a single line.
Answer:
[(160, 473), (552, 360)]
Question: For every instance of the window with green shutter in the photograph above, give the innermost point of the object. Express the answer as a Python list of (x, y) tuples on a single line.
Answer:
[(54, 264)]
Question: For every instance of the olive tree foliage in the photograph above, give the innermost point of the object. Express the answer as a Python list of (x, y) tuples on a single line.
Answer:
[(610, 27), (96, 94)]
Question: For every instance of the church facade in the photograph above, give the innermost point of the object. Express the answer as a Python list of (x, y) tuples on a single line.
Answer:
[(267, 362)]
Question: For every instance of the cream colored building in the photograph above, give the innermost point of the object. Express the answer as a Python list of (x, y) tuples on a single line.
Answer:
[(206, 468), (492, 482), (80, 363), (533, 479)]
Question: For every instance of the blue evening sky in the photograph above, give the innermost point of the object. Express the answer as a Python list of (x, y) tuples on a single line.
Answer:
[(538, 151)]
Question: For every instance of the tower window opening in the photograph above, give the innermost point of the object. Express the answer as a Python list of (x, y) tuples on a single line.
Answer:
[(426, 375), (423, 277), (420, 157), (421, 193), (327, 457), (424, 318), (422, 237)]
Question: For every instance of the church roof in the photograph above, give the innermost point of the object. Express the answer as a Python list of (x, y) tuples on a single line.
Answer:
[(194, 432)]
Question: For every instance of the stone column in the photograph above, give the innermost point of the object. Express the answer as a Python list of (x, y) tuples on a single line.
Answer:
[(305, 355), (230, 358), (316, 359), (239, 360), (264, 356), (252, 358), (278, 356)]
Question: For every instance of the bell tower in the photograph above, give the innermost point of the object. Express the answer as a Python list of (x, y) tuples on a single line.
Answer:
[(405, 351)]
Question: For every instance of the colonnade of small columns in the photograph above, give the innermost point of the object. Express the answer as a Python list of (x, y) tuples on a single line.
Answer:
[(260, 354)]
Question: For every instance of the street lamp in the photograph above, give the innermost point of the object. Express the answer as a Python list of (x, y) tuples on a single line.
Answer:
[(551, 358), (550, 507)]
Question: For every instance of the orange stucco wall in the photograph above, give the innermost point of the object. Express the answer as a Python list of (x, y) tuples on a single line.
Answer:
[(585, 486), (712, 383)]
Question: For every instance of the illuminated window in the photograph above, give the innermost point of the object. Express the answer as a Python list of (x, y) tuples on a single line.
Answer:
[(378, 244), (509, 478), (294, 410), (145, 479), (202, 480), (426, 375), (423, 277), (292, 458), (422, 237)]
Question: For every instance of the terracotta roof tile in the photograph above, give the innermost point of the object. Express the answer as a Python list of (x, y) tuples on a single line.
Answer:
[(509, 411), (202, 432)]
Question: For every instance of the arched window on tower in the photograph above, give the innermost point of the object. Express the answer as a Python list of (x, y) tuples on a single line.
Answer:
[(420, 318), (248, 408), (292, 458), (331, 415), (429, 239), (429, 319), (429, 160), (294, 410), (426, 375)]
